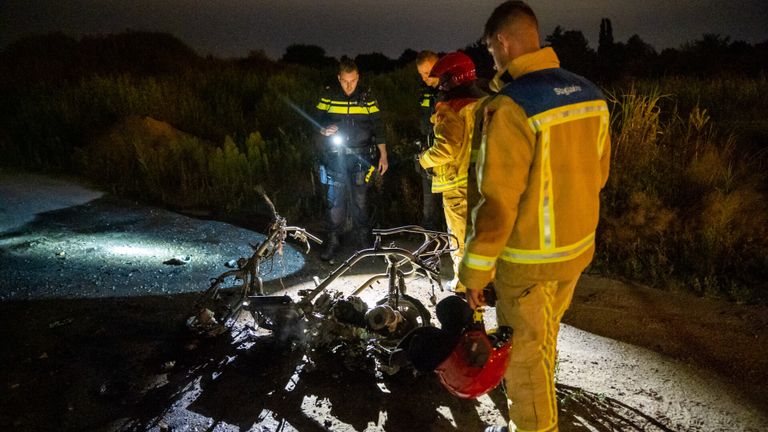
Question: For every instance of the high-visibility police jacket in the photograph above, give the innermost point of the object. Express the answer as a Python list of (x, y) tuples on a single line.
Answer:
[(427, 100), (356, 115), (543, 159)]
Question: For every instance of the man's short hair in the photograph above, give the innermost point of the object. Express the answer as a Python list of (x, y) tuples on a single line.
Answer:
[(426, 56), (506, 13), (347, 65)]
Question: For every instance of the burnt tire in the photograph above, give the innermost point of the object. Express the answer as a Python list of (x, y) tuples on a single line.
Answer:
[(415, 313)]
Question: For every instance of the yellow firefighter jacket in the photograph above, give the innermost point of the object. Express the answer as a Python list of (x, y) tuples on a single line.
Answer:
[(449, 154), (543, 159)]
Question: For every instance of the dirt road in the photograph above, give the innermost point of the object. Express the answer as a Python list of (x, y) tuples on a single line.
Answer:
[(90, 319)]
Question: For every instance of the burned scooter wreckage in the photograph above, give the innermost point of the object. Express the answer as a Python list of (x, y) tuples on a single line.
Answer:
[(323, 317)]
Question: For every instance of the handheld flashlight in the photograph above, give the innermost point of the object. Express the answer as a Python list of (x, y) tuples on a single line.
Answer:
[(337, 139)]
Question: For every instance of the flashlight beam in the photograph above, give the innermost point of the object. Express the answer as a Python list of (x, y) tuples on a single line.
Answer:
[(312, 121), (301, 112)]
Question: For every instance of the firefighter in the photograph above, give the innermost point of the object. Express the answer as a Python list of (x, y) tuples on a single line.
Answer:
[(449, 155), (431, 210), (352, 150), (543, 159)]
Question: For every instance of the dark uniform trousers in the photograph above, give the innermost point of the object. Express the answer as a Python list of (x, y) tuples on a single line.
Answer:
[(347, 179), (432, 203)]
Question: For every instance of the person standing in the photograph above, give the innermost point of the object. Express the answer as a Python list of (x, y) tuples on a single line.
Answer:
[(543, 160), (449, 155), (352, 148), (431, 210)]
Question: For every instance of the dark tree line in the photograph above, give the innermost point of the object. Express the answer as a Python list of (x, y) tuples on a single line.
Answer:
[(711, 55), (61, 57), (376, 62)]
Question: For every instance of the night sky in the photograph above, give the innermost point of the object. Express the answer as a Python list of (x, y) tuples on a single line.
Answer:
[(228, 28)]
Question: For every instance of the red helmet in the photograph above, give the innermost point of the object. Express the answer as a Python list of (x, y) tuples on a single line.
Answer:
[(477, 363), (454, 69)]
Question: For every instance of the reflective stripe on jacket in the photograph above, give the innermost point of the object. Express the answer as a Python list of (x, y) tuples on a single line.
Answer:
[(543, 159), (450, 153), (427, 99), (356, 115), (428, 96), (347, 106)]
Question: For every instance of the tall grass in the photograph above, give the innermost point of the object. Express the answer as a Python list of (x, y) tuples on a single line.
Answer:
[(684, 208), (736, 104)]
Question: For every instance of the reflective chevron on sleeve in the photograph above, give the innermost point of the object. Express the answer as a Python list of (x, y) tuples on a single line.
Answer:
[(478, 262)]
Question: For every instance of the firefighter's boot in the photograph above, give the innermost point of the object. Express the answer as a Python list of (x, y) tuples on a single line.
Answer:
[(331, 248)]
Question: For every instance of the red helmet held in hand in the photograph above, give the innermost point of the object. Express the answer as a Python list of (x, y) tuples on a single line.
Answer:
[(477, 363), (454, 69)]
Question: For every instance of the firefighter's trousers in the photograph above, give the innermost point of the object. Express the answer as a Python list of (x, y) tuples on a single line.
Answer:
[(455, 209), (534, 311)]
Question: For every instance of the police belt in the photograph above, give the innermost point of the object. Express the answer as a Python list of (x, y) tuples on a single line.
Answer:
[(351, 150)]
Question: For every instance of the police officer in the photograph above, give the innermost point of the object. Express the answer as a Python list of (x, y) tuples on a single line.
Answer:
[(431, 214), (352, 149)]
